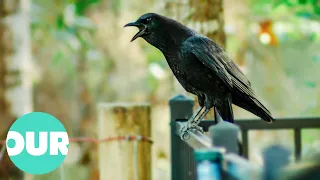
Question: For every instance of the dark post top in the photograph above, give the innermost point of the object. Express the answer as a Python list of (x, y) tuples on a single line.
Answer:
[(181, 107), (275, 157), (225, 134)]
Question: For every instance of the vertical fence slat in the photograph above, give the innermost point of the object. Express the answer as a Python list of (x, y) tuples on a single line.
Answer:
[(245, 143), (182, 159), (297, 143)]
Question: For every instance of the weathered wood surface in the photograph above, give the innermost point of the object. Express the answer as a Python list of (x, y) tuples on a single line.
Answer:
[(122, 159)]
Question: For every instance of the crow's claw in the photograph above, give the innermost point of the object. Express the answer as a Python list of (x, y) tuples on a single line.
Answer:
[(185, 131)]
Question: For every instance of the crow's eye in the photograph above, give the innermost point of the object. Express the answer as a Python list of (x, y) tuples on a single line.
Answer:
[(148, 19)]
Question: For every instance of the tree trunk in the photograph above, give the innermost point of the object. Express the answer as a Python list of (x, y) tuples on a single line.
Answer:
[(208, 19), (203, 16), (15, 83)]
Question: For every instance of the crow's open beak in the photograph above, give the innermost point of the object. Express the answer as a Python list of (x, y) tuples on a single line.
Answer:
[(142, 29)]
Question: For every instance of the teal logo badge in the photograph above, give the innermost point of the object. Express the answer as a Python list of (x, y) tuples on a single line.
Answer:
[(37, 143)]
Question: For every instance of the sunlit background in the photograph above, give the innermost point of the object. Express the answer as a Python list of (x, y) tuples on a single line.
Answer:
[(68, 55)]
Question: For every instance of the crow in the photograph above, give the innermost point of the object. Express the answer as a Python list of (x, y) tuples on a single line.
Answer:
[(202, 67)]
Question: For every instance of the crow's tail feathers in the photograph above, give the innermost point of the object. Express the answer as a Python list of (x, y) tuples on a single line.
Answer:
[(225, 111), (263, 112), (254, 106)]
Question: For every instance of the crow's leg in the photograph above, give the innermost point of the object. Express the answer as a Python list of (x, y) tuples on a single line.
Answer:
[(216, 115), (193, 125), (191, 120), (195, 114), (197, 121), (188, 126), (208, 104)]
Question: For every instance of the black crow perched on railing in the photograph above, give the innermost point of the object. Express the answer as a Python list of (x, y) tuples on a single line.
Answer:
[(202, 67)]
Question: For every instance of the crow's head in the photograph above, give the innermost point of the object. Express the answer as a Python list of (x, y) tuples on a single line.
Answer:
[(149, 24), (158, 30)]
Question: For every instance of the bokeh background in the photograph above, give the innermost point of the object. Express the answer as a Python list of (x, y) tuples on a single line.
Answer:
[(65, 56)]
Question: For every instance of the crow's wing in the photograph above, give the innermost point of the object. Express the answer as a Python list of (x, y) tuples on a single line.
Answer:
[(215, 58), (205, 53)]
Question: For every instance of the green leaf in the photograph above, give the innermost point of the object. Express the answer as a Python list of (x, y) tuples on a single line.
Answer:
[(317, 9), (278, 3), (83, 5), (290, 2), (60, 22), (313, 36), (303, 1)]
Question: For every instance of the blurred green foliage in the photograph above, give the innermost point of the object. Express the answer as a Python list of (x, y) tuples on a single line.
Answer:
[(72, 30), (82, 5), (309, 9)]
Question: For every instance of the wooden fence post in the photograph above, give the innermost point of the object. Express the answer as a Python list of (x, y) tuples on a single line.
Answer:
[(124, 158)]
